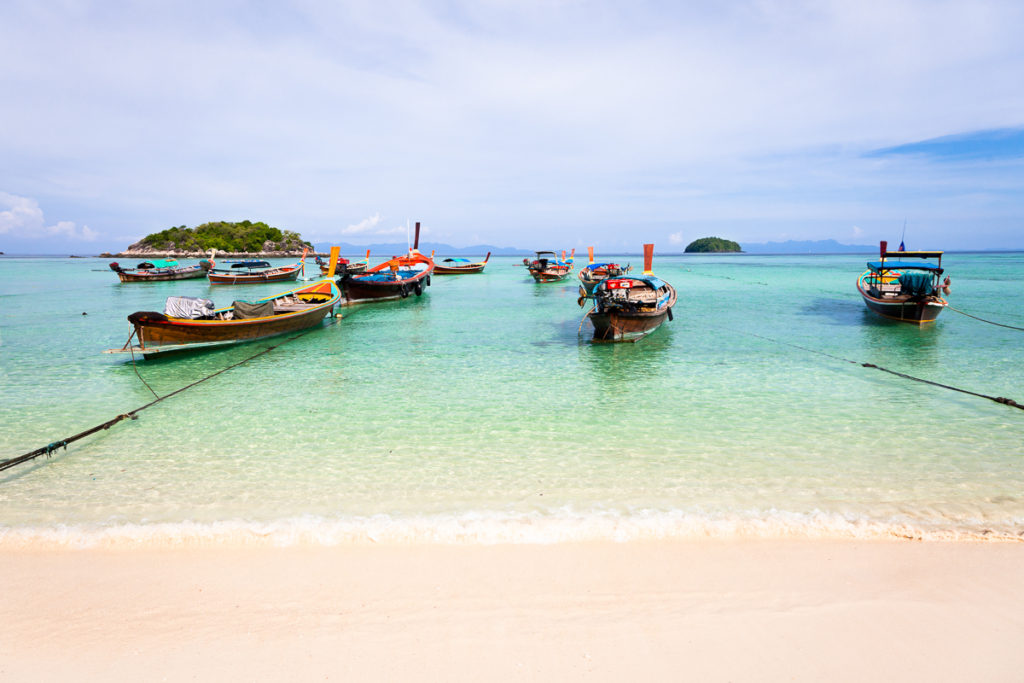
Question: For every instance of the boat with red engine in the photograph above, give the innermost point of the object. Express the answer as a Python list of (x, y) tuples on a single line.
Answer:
[(627, 308), (547, 267), (396, 278)]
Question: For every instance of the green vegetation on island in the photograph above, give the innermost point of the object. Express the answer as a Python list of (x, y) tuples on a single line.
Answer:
[(244, 236), (712, 245)]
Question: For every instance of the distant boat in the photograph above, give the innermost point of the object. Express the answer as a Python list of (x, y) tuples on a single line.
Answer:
[(908, 291), (189, 323), (458, 266), (343, 265), (628, 307), (547, 267), (396, 278), (160, 270), (256, 272), (593, 273)]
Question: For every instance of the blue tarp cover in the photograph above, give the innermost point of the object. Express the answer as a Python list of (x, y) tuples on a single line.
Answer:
[(916, 284)]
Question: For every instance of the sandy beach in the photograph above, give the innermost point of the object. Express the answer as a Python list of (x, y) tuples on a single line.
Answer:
[(715, 610)]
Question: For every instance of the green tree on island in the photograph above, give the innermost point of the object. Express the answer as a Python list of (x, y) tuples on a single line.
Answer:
[(712, 244), (244, 236)]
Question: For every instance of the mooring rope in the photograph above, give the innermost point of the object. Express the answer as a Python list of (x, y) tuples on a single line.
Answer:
[(990, 322), (998, 399), (133, 414)]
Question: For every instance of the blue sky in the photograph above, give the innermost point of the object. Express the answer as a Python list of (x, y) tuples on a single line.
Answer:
[(530, 124)]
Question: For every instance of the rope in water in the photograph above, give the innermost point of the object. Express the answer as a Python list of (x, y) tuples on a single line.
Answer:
[(990, 322), (997, 399), (133, 414)]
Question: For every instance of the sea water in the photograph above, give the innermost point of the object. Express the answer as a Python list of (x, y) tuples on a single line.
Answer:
[(480, 412)]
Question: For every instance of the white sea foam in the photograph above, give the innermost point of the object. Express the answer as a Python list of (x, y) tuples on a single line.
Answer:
[(492, 528)]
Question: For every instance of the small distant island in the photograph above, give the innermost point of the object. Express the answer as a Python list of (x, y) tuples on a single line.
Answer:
[(246, 238), (707, 245)]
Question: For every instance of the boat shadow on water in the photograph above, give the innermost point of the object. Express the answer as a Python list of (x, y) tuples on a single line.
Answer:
[(627, 362), (847, 312)]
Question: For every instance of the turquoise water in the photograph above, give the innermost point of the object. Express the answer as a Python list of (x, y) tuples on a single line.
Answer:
[(479, 413)]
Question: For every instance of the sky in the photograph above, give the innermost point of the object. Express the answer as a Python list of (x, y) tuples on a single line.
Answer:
[(540, 125)]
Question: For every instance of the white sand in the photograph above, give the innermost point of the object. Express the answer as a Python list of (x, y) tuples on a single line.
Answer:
[(665, 611)]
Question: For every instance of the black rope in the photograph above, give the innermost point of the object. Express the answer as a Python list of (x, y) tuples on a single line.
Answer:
[(998, 399), (990, 322), (132, 415)]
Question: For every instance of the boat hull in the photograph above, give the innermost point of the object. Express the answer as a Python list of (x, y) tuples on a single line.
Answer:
[(276, 275), (364, 289), (550, 274), (905, 309), (159, 334), (615, 324), (188, 273), (459, 270)]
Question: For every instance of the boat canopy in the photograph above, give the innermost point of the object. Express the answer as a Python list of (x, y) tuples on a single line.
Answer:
[(158, 263), (879, 266), (595, 266), (249, 264), (456, 260)]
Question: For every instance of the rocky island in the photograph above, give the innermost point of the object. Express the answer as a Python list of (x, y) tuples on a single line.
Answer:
[(706, 245), (244, 238)]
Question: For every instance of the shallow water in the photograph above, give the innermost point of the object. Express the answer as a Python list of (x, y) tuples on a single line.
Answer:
[(479, 412)]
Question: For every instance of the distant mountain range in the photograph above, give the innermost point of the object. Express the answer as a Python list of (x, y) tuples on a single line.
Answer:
[(808, 247), (398, 248)]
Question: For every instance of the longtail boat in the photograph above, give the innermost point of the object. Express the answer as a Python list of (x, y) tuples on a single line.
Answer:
[(547, 267), (396, 278), (256, 272), (903, 290), (343, 265), (628, 307), (458, 266), (160, 270), (593, 273), (190, 323)]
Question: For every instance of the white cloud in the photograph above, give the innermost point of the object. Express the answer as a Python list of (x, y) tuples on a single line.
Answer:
[(676, 238), (371, 227), (857, 231), (23, 218)]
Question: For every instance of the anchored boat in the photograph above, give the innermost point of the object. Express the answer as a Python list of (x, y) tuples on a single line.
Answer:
[(547, 267), (159, 270), (905, 290), (256, 272), (627, 308), (593, 273), (189, 323), (343, 265), (458, 266), (396, 278)]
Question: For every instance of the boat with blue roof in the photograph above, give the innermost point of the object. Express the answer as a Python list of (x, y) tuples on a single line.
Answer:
[(629, 307), (161, 270), (905, 285), (254, 271), (460, 266), (547, 267)]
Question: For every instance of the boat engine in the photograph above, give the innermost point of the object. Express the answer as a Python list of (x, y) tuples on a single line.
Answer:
[(115, 267)]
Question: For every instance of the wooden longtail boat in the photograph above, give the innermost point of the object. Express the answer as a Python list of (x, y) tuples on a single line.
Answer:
[(160, 270), (343, 265), (904, 290), (547, 267), (593, 273), (458, 266), (628, 307), (256, 272), (396, 278), (188, 323)]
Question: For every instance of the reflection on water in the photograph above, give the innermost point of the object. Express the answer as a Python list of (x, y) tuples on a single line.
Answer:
[(611, 364)]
